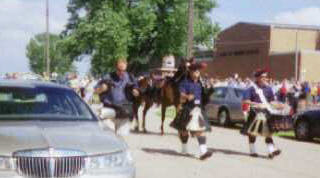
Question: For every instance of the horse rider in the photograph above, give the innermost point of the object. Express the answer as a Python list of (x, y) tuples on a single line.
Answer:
[(258, 97), (190, 119), (183, 70), (115, 96)]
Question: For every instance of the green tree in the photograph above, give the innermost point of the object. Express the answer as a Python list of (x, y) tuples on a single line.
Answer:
[(37, 58), (140, 30)]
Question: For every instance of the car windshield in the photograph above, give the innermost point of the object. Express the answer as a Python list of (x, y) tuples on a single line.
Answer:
[(219, 93), (42, 104)]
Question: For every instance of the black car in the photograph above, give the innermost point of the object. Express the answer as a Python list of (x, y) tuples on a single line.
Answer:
[(307, 124)]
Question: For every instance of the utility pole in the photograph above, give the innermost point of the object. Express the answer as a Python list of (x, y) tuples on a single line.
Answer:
[(190, 28), (48, 39)]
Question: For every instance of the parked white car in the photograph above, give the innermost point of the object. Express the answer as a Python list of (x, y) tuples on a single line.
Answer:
[(47, 131)]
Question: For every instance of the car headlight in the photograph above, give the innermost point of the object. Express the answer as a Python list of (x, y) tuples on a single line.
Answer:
[(6, 163), (114, 160)]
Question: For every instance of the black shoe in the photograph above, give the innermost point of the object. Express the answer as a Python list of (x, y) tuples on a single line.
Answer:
[(274, 154), (255, 155), (205, 156), (270, 156), (136, 129), (244, 131)]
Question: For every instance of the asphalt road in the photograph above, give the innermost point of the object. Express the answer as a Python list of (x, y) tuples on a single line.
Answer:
[(158, 156)]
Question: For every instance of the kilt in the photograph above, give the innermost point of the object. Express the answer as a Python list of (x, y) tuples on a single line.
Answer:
[(258, 125), (262, 123), (185, 122)]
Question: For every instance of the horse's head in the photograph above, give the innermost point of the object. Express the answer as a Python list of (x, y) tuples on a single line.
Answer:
[(186, 63)]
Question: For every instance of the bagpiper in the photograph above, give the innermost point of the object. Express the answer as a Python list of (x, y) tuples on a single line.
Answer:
[(190, 118), (261, 99)]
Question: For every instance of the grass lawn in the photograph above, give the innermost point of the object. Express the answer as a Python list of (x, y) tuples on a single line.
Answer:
[(170, 113), (285, 134)]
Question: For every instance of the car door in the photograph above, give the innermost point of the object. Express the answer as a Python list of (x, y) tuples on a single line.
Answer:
[(216, 100), (237, 96), (316, 123), (231, 102)]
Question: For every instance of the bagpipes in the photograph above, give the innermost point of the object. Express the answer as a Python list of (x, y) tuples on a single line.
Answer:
[(275, 122), (277, 119)]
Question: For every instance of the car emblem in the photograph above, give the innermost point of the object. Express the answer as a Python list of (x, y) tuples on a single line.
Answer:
[(52, 162)]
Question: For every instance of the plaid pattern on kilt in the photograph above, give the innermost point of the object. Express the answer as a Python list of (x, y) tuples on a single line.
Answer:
[(182, 118)]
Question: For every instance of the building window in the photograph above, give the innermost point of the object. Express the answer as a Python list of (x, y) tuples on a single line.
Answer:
[(239, 53)]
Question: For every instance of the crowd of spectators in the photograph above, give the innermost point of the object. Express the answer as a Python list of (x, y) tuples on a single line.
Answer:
[(284, 90)]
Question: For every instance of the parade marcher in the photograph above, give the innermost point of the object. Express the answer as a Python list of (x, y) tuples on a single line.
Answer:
[(189, 118), (259, 96), (114, 94)]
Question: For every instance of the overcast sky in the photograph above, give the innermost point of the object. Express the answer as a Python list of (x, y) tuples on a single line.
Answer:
[(22, 19)]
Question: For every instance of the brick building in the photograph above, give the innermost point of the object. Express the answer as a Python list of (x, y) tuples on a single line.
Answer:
[(289, 51)]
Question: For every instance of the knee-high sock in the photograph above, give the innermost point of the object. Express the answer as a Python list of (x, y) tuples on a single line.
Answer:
[(252, 139), (252, 148), (269, 140), (184, 143), (271, 147), (184, 139), (184, 148), (202, 144)]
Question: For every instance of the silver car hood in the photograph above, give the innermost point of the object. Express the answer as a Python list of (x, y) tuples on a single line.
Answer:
[(87, 137)]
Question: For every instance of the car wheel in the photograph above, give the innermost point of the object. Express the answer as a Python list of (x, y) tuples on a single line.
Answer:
[(224, 118), (302, 131)]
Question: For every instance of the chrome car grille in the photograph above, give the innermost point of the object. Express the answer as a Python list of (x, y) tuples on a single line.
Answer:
[(50, 166)]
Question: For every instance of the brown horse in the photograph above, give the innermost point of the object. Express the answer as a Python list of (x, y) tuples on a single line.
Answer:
[(148, 96), (169, 95)]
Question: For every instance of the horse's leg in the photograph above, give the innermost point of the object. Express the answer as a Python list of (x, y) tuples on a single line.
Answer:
[(177, 107), (163, 116), (135, 116), (147, 106)]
